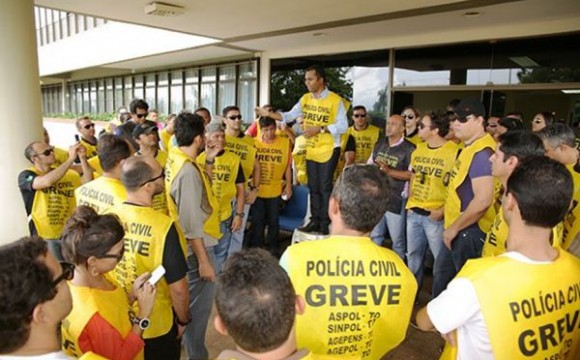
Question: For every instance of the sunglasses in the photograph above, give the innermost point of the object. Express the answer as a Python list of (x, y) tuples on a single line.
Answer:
[(140, 116), (422, 126), (537, 121), (359, 115), (235, 117), (117, 257), (47, 152), (88, 126), (162, 175), (410, 117), (465, 119), (491, 125)]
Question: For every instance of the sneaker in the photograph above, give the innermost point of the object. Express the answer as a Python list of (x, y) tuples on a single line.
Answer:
[(311, 227)]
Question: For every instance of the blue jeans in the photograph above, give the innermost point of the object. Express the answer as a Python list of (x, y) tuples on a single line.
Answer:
[(237, 239), (223, 245), (201, 294), (395, 223), (422, 231)]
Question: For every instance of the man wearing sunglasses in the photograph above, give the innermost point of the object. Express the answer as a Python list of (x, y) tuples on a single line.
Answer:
[(33, 301), (48, 191), (86, 129), (365, 135), (139, 111)]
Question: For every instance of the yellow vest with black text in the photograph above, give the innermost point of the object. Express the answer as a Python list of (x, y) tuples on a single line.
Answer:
[(432, 170), (320, 112), (273, 159), (496, 239), (95, 163), (365, 142), (111, 305), (299, 158), (60, 156), (224, 174), (245, 149), (91, 149), (415, 139), (572, 219), (175, 162), (101, 194), (145, 234), (359, 297), (52, 206), (458, 176), (279, 132), (531, 311), (164, 137)]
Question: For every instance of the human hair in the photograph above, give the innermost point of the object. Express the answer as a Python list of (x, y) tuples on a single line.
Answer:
[(29, 152), (266, 121), (87, 234), (255, 300), (440, 121), (453, 103), (521, 144), (227, 109), (135, 172), (359, 107), (318, 69), (138, 103), (25, 282), (79, 119), (413, 109), (112, 150), (362, 192), (515, 114), (543, 189), (269, 107), (187, 127), (154, 111), (202, 109), (558, 134), (549, 117)]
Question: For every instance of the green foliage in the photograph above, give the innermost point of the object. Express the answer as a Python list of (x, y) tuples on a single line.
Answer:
[(547, 75), (70, 115), (287, 87)]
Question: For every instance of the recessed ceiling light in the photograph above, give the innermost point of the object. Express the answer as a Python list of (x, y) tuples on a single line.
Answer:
[(319, 34), (571, 91), (472, 14), (524, 61)]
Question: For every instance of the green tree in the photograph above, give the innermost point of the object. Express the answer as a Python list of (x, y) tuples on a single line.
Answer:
[(287, 87), (548, 75)]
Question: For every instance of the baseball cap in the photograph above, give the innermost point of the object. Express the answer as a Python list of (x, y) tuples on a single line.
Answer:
[(143, 129), (468, 107)]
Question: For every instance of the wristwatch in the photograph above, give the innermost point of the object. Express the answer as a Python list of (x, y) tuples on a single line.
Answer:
[(322, 129), (240, 214), (142, 323)]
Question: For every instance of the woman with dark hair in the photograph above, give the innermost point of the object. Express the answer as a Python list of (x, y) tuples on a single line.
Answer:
[(411, 117), (102, 319), (541, 120)]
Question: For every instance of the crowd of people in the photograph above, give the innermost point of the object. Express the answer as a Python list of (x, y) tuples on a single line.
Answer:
[(493, 201)]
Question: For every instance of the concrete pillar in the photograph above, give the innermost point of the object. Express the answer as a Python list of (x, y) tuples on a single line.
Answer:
[(264, 76), (20, 102)]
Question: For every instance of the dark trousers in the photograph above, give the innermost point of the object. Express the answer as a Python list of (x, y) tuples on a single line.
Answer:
[(163, 347), (320, 186), (266, 211)]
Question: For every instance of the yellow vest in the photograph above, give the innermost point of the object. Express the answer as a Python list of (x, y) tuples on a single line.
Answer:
[(60, 155), (572, 219), (175, 162), (224, 174), (91, 149), (299, 157), (458, 175), (164, 137), (111, 305), (529, 312), (145, 233), (359, 297), (53, 205), (172, 143), (245, 149), (415, 139), (273, 159), (320, 112), (101, 194), (496, 239), (95, 163), (160, 200), (341, 160), (432, 169), (365, 142), (279, 132)]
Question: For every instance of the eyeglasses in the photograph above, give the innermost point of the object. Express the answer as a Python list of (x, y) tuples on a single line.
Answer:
[(88, 126), (162, 175), (359, 115), (491, 125), (537, 121), (117, 257), (235, 117), (140, 116), (422, 126), (408, 116), (47, 152), (68, 272)]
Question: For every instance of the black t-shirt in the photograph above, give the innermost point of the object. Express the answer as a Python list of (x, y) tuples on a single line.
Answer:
[(399, 158), (350, 144), (25, 180), (173, 257)]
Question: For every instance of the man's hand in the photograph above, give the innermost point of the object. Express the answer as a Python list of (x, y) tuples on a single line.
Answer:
[(382, 166), (251, 196), (311, 131), (73, 150), (449, 235), (206, 272), (287, 192), (237, 223), (212, 150), (437, 214), (450, 338), (180, 331), (261, 112)]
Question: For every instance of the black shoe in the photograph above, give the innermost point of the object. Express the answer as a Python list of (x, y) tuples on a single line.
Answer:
[(311, 227), (323, 230)]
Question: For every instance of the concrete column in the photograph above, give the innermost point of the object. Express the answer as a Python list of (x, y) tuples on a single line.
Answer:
[(20, 101), (264, 76)]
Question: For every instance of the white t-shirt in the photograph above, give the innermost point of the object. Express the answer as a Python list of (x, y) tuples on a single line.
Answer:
[(458, 308), (58, 355)]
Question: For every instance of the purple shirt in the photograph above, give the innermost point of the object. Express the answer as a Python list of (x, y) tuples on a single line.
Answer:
[(480, 166)]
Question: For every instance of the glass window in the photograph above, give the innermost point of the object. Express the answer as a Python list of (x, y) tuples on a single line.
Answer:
[(85, 101), (128, 97), (80, 23), (70, 98), (138, 87), (93, 109), (208, 89), (150, 96), (247, 90), (227, 86), (163, 93), (109, 96), (176, 92), (118, 81), (100, 96), (191, 89)]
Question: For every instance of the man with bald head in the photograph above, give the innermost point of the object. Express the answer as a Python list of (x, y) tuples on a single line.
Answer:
[(392, 154)]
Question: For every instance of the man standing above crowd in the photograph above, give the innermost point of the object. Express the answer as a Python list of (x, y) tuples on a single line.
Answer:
[(489, 302), (359, 295), (49, 193), (86, 128), (468, 209), (392, 154), (192, 203), (139, 111), (325, 120), (431, 166), (365, 135)]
